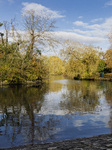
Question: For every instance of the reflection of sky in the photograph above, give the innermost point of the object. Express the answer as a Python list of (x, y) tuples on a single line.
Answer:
[(55, 123), (72, 125), (63, 81), (51, 104)]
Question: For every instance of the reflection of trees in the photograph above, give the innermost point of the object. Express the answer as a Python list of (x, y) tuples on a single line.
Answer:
[(19, 107), (108, 97), (108, 92), (44, 128), (55, 87), (81, 96)]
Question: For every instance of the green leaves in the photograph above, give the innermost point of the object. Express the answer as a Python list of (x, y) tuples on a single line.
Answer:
[(101, 66)]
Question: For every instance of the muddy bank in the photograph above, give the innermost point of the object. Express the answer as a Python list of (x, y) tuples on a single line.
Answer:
[(101, 142)]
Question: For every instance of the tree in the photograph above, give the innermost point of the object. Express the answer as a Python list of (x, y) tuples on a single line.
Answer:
[(108, 58), (10, 62), (6, 26), (55, 65), (81, 60), (91, 58), (101, 66), (21, 60), (37, 28)]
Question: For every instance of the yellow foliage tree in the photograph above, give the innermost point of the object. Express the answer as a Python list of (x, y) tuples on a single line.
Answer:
[(81, 60), (55, 65), (108, 58)]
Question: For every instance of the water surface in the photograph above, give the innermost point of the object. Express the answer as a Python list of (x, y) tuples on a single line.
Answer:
[(59, 110)]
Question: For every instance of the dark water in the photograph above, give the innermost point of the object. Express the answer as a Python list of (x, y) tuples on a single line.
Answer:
[(58, 110)]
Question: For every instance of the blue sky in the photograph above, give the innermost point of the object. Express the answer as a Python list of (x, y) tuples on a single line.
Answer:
[(87, 21)]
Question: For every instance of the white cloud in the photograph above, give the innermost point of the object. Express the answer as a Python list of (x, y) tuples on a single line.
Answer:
[(93, 27), (96, 20), (86, 25), (92, 33), (40, 10), (77, 37), (107, 24), (109, 3), (96, 30), (80, 23)]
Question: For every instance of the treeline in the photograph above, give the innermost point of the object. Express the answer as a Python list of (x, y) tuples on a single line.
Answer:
[(78, 61), (21, 59), (85, 62), (17, 68)]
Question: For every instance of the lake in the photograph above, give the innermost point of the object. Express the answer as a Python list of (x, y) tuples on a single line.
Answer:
[(60, 109)]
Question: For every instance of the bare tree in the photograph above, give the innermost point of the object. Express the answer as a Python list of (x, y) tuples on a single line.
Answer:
[(38, 31), (6, 26), (15, 34)]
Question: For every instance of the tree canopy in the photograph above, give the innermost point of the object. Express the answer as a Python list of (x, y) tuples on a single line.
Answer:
[(81, 60), (108, 58)]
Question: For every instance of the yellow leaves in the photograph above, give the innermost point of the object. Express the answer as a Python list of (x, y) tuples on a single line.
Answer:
[(1, 55), (55, 65), (34, 63), (108, 58), (82, 60)]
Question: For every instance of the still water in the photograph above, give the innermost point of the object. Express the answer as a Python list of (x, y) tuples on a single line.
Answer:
[(60, 109)]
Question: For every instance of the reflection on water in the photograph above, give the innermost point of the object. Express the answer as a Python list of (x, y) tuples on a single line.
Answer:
[(81, 96), (58, 110)]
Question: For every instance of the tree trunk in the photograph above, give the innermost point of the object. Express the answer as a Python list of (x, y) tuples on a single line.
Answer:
[(32, 38)]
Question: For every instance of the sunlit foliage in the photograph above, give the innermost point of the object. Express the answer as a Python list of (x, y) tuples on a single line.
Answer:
[(81, 61), (17, 68), (108, 58), (55, 66)]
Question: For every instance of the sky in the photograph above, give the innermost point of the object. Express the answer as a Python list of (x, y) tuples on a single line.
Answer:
[(86, 21)]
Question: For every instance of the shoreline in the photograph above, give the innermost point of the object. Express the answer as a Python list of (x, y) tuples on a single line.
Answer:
[(100, 142), (39, 82)]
